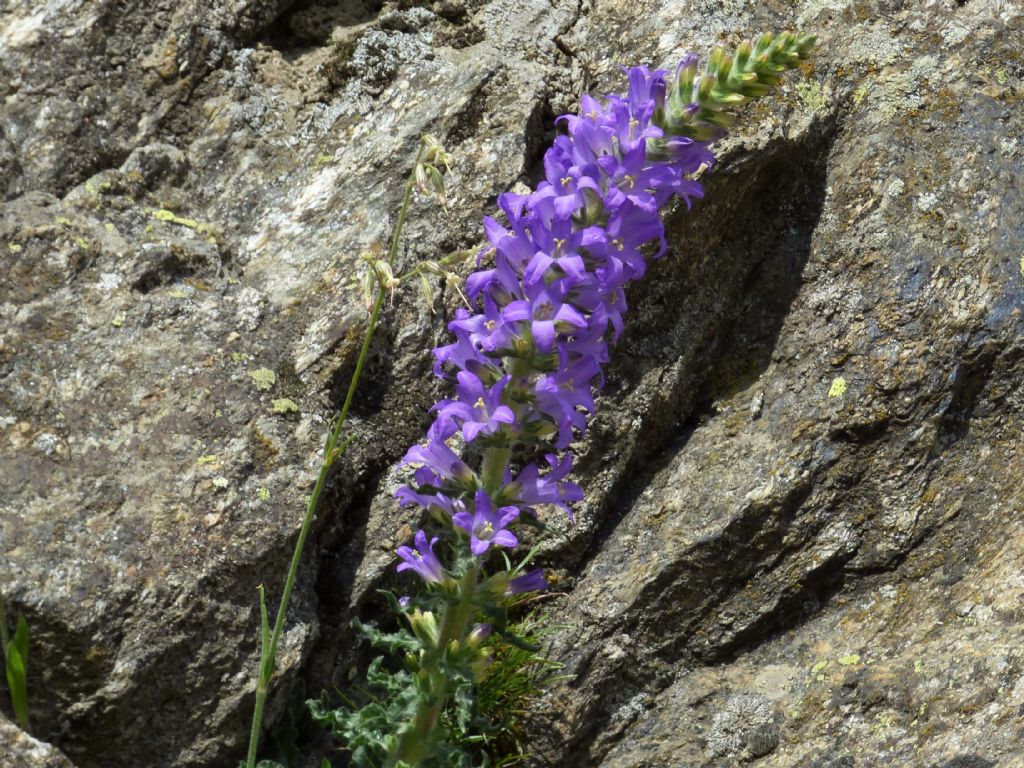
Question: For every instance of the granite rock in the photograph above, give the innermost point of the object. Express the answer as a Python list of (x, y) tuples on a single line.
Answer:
[(19, 750)]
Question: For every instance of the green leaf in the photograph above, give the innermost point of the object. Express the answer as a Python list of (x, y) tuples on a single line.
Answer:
[(17, 668), (21, 638), (266, 662)]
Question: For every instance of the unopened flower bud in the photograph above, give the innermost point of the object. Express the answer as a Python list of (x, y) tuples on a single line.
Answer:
[(479, 666), (742, 55), (707, 82), (424, 626), (479, 634)]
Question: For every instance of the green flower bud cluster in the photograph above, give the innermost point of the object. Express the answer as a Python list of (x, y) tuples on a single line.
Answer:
[(700, 107)]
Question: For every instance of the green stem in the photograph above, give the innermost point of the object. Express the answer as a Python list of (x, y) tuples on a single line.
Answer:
[(332, 451), (414, 744), (396, 238), (492, 472)]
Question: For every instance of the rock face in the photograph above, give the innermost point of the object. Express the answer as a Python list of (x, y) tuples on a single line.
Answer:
[(19, 750), (801, 544)]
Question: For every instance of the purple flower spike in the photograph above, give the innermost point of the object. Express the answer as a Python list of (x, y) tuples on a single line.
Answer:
[(532, 581), (543, 308), (548, 299), (486, 526), (422, 560)]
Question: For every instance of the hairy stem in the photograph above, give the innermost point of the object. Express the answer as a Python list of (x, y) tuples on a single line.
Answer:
[(415, 741), (414, 744), (492, 473), (332, 451)]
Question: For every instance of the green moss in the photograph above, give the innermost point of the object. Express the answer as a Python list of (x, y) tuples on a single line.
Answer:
[(204, 460), (263, 493)]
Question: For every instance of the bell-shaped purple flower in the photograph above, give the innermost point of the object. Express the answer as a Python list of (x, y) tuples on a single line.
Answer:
[(440, 459), (558, 246), (562, 195), (425, 491), (546, 313), (478, 410), (646, 89), (629, 228), (487, 526), (531, 581), (531, 487), (422, 559)]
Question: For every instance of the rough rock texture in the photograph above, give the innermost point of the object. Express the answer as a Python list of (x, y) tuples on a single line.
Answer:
[(801, 544), (19, 750)]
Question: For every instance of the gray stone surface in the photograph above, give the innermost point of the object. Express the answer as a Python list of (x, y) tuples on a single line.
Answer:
[(19, 750), (801, 544)]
